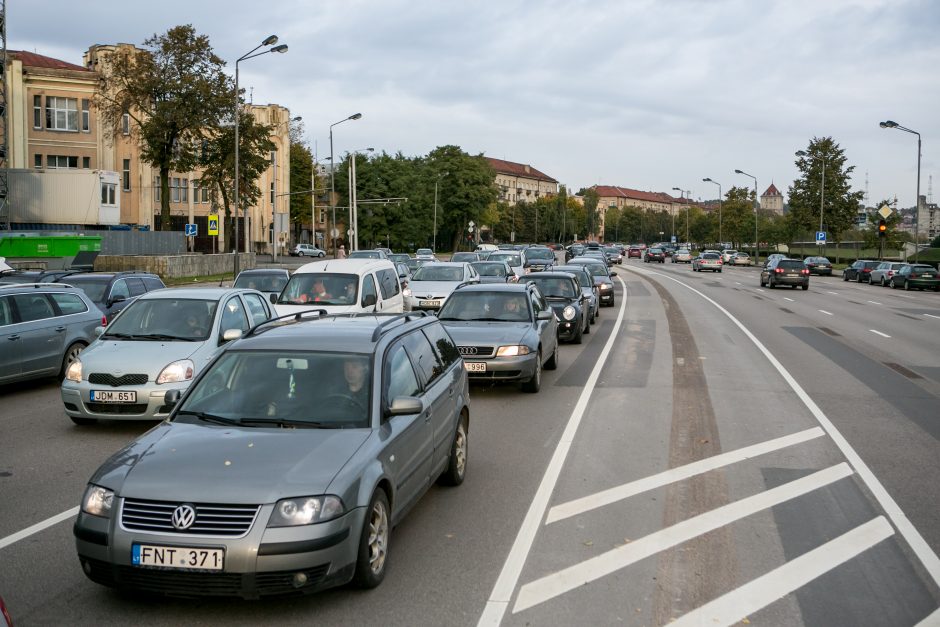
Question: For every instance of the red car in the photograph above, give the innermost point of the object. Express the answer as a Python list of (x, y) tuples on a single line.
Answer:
[(634, 251)]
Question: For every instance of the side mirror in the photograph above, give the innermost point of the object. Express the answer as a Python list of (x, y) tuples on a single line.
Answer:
[(405, 406), (171, 398), (273, 298), (99, 331), (369, 300), (546, 314), (116, 299), (231, 334), (612, 273)]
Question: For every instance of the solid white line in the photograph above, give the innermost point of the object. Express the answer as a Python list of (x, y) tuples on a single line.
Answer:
[(932, 316), (759, 289), (895, 514), (836, 293), (25, 533), (498, 602), (825, 312), (789, 299), (879, 333), (568, 579), (619, 493), (931, 621), (874, 303), (761, 592)]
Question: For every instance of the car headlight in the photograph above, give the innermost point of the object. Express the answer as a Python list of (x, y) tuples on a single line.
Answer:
[(305, 510), (569, 313), (406, 292), (512, 351), (97, 501), (181, 370), (606, 288), (74, 372)]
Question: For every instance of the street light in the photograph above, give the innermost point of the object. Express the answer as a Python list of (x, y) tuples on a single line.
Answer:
[(708, 180), (891, 124), (270, 40), (274, 165), (354, 116), (681, 193), (756, 244), (353, 207), (434, 235)]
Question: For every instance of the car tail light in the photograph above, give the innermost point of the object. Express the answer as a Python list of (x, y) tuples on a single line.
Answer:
[(890, 273), (104, 321), (804, 271), (778, 270), (866, 269), (719, 262)]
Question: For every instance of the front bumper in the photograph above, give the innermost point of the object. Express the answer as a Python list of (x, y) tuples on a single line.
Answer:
[(568, 330), (606, 297), (76, 397), (519, 368), (264, 562)]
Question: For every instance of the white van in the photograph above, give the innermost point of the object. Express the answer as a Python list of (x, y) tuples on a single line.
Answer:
[(487, 248), (342, 286)]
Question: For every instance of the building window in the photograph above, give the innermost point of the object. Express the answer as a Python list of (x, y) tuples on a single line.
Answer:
[(86, 116), (63, 162), (200, 191), (156, 189), (174, 189), (272, 192), (37, 161), (126, 124), (61, 114), (108, 193), (86, 162), (126, 178), (184, 190), (37, 111)]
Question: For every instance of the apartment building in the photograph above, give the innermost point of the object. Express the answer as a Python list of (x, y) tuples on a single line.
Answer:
[(520, 182)]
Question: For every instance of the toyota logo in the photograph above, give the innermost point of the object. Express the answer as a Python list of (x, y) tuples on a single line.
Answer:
[(183, 517), (467, 350)]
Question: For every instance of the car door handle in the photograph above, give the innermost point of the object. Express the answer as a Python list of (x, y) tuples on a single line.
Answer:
[(13, 337), (60, 329), (427, 417)]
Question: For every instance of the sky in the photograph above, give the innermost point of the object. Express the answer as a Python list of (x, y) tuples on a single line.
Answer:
[(644, 94)]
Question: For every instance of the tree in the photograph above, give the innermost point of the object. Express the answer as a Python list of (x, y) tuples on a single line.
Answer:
[(738, 215), (175, 91), (590, 211)]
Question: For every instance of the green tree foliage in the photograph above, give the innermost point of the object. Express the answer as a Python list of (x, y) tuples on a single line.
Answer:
[(175, 91), (738, 215), (591, 200)]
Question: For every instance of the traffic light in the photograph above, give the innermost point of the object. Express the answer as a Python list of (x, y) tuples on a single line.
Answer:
[(882, 228)]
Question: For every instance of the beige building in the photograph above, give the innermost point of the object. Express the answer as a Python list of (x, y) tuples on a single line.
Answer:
[(772, 200), (519, 182), (615, 197)]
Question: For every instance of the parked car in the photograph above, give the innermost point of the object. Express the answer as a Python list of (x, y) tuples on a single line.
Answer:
[(818, 265), (267, 280), (113, 291), (34, 276), (367, 254), (860, 271), (916, 276), (43, 329), (503, 332), (883, 272), (707, 261), (741, 259), (432, 284), (588, 288), (655, 254), (602, 278), (563, 294), (537, 259), (307, 250), (330, 430), (342, 286), (466, 257), (682, 255), (790, 272), (494, 271)]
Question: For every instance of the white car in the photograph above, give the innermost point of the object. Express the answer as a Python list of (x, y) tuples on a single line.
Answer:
[(307, 250), (342, 286), (728, 255), (431, 284)]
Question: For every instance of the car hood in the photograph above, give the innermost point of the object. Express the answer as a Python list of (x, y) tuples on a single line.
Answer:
[(200, 462), (120, 357), (558, 304), (497, 333), (420, 289)]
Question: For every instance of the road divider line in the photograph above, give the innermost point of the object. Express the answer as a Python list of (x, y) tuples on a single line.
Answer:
[(825, 312), (895, 514), (874, 303), (755, 595), (508, 578), (789, 299), (40, 526), (568, 579), (619, 493), (880, 333), (932, 316)]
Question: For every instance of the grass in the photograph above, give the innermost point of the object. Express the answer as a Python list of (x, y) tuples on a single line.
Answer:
[(211, 278)]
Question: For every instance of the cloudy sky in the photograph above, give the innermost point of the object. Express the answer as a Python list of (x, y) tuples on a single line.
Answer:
[(644, 94)]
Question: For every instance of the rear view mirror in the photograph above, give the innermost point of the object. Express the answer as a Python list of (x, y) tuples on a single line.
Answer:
[(231, 334), (171, 398), (546, 314), (273, 299), (116, 299), (612, 273)]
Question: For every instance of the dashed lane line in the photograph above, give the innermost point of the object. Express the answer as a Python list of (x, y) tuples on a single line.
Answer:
[(932, 316), (880, 333), (40, 526), (874, 302), (828, 313), (789, 299)]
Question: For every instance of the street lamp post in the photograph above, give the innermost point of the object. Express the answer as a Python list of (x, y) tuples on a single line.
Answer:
[(756, 243), (891, 124), (353, 197), (682, 193), (354, 116), (276, 195), (270, 40), (708, 180)]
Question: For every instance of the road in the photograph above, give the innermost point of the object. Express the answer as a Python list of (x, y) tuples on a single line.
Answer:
[(713, 451)]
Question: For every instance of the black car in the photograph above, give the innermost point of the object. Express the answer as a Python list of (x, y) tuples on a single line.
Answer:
[(860, 271), (34, 276), (113, 291), (792, 272), (588, 288), (655, 254), (537, 259), (494, 271), (573, 251), (602, 278), (818, 265), (572, 308)]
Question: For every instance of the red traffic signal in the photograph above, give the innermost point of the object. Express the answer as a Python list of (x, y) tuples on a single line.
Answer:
[(882, 228)]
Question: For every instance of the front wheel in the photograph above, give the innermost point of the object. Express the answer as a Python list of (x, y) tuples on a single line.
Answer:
[(373, 543), (534, 384), (845, 276), (552, 363), (457, 466), (907, 286), (71, 354)]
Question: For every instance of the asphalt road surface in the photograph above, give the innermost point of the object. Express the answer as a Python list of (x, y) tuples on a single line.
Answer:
[(713, 452)]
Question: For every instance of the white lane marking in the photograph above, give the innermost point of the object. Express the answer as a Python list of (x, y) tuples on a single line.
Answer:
[(932, 316), (498, 602), (825, 312), (25, 533), (619, 493), (880, 333), (567, 579), (755, 595), (759, 289), (836, 293), (738, 283), (874, 302), (931, 621), (789, 299), (895, 514)]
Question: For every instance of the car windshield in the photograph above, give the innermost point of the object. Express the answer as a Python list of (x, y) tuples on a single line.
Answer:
[(399, 257), (539, 253), (655, 251), (322, 288), (270, 282), (486, 307), (490, 269), (438, 273), (94, 287), (710, 256), (424, 251), (465, 257), (283, 389), (511, 259), (682, 251), (164, 319), (554, 287), (597, 270), (583, 279), (365, 254), (922, 268), (612, 250)]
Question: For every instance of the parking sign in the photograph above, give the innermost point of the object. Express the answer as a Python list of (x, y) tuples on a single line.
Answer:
[(820, 237)]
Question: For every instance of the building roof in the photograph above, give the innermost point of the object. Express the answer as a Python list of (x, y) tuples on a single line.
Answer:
[(31, 59), (772, 191), (614, 191), (518, 169)]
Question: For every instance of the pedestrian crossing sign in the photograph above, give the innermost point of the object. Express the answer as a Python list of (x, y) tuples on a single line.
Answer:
[(213, 224)]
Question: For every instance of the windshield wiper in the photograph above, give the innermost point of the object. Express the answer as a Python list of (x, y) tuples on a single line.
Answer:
[(150, 336), (201, 415), (282, 422)]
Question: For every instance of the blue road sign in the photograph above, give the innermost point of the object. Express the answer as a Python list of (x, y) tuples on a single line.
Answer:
[(820, 237), (192, 230), (673, 238)]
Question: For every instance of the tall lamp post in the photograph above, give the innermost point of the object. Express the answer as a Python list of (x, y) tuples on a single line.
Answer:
[(434, 232), (270, 40), (682, 193), (353, 207), (890, 124), (276, 195), (708, 180), (756, 243), (354, 116)]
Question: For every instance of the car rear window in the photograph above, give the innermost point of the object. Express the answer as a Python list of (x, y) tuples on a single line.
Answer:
[(711, 256), (790, 264)]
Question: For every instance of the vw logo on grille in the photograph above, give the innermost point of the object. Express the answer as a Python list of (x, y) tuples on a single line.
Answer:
[(467, 350), (183, 517)]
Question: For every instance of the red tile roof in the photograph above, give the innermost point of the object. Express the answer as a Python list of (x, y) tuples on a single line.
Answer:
[(772, 191), (613, 191), (518, 169), (31, 59)]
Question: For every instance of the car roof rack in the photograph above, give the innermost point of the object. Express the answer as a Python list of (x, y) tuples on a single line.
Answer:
[(406, 316), (36, 285), (293, 317)]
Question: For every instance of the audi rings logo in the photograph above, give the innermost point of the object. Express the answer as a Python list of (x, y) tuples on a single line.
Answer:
[(467, 350), (183, 517)]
